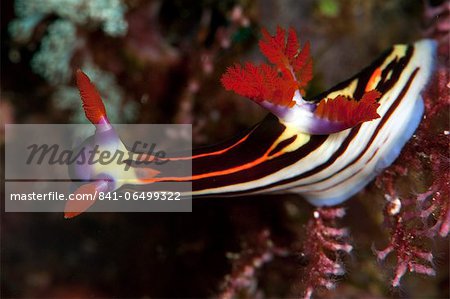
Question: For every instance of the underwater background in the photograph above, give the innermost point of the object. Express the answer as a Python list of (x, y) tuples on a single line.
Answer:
[(160, 61)]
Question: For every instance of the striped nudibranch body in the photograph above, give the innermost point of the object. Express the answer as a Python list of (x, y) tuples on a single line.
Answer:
[(278, 154), (274, 156)]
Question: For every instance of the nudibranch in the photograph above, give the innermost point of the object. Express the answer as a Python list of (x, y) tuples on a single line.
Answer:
[(326, 148)]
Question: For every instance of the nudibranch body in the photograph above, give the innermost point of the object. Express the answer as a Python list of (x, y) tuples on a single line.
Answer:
[(326, 148)]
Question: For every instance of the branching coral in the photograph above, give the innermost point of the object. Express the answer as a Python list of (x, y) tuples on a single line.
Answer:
[(242, 279), (414, 220), (322, 247), (408, 234), (322, 250)]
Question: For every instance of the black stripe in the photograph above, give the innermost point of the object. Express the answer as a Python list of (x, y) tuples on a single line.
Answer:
[(396, 66), (261, 138), (256, 145), (283, 144), (379, 127), (261, 170)]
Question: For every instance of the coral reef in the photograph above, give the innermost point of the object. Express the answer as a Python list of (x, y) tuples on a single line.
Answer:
[(108, 14), (53, 60)]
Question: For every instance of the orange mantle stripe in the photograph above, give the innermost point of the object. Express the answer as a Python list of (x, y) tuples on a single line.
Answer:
[(220, 172)]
